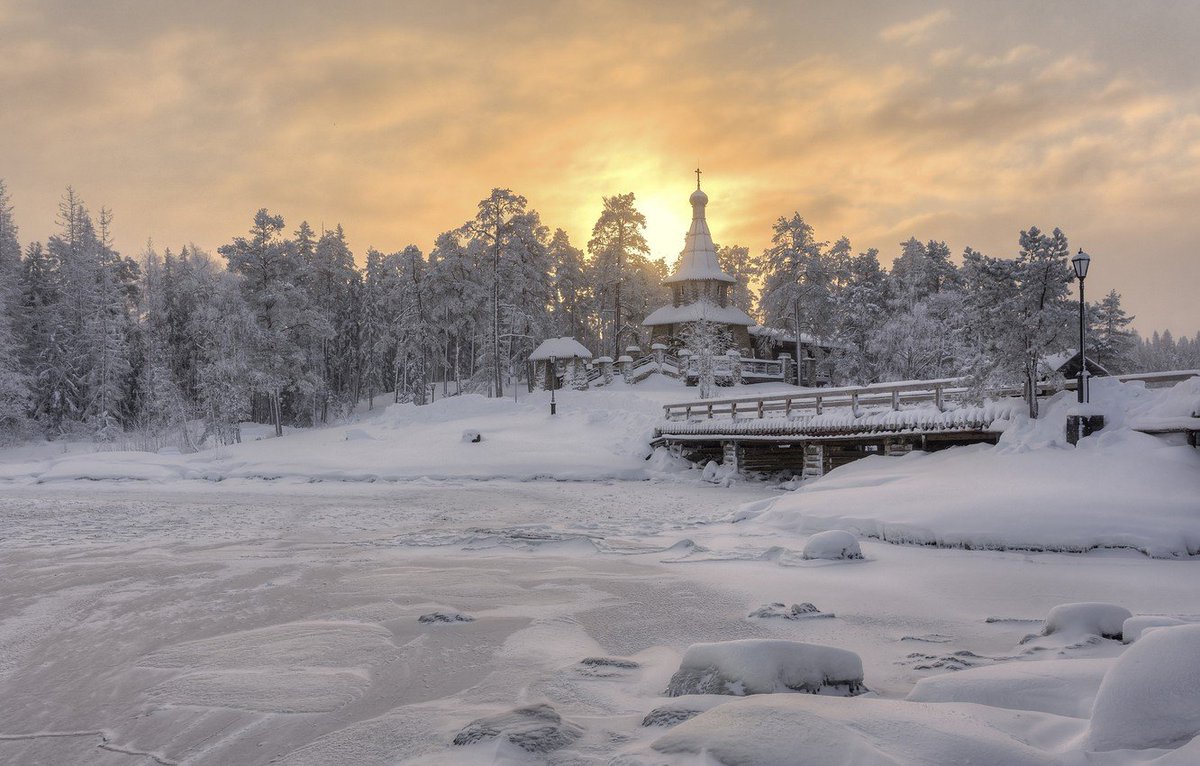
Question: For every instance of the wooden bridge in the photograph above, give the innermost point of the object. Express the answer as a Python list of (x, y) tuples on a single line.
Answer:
[(813, 431)]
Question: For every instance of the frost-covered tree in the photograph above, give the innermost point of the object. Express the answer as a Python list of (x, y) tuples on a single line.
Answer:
[(735, 261), (705, 342), (796, 280), (1042, 313), (861, 314), (458, 301), (510, 239)]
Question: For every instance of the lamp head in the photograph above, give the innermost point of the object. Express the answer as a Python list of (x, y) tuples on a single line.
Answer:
[(1080, 263)]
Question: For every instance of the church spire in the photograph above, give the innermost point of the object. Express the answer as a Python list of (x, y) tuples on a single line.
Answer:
[(698, 261)]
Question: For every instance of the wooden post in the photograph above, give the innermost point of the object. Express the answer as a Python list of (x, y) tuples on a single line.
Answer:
[(733, 410), (937, 398), (787, 407), (687, 412), (854, 404), (895, 400), (760, 408), (710, 412), (820, 409)]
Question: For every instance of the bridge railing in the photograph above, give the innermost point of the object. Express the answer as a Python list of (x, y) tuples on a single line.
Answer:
[(938, 392)]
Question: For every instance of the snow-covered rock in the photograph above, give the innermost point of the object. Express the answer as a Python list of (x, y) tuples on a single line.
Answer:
[(833, 545), (535, 729), (1086, 618), (1151, 697), (779, 610), (1132, 629), (680, 709), (471, 436), (766, 666)]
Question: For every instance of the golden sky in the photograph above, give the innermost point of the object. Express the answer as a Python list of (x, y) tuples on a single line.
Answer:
[(963, 122)]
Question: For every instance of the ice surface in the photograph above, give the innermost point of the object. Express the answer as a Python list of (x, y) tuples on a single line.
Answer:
[(834, 544), (1150, 698), (766, 666)]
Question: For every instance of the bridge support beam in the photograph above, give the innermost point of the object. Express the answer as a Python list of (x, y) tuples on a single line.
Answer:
[(894, 447), (814, 461), (731, 455)]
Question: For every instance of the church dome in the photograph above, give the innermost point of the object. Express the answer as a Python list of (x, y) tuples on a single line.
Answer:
[(698, 198)]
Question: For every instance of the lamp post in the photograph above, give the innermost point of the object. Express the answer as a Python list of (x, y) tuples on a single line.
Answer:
[(1080, 263), (553, 384)]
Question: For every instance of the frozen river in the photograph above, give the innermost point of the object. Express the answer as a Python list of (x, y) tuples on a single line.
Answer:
[(272, 622)]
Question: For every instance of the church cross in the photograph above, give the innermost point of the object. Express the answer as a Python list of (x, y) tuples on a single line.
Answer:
[(697, 178)]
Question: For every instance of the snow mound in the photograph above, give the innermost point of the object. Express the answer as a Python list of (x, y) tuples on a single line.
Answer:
[(1061, 687), (833, 545), (777, 609), (785, 730), (766, 666), (1150, 697), (1010, 496), (535, 729), (1133, 628), (1087, 618)]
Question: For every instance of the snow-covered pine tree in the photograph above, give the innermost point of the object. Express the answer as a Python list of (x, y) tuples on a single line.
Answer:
[(618, 246), (796, 280), (861, 312), (14, 379), (504, 230), (458, 302), (570, 288), (1112, 343)]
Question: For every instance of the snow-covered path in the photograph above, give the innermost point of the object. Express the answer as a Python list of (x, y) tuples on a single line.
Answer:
[(277, 622)]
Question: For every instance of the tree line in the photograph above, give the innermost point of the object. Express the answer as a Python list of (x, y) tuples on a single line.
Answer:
[(285, 327)]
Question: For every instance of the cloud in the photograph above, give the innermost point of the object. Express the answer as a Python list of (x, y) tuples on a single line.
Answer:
[(915, 31)]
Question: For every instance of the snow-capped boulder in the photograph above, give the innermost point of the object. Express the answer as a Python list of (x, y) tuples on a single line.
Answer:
[(535, 729), (1086, 618), (764, 666), (833, 545), (445, 617), (1133, 628), (780, 610), (1151, 696), (471, 436), (679, 709)]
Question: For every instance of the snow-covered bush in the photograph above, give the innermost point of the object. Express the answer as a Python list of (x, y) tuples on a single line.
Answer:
[(764, 666), (1151, 696), (834, 544), (1086, 618)]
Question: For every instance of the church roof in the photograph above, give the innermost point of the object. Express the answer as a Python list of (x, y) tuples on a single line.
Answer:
[(699, 311), (698, 261)]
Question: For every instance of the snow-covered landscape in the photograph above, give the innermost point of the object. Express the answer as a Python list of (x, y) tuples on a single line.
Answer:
[(557, 593), (684, 383)]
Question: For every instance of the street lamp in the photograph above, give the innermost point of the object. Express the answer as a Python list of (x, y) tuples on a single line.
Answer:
[(553, 383), (1080, 263)]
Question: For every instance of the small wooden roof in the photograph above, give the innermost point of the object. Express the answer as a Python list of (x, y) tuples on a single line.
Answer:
[(560, 348)]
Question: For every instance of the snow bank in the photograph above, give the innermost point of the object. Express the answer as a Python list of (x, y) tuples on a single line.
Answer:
[(1087, 618), (1061, 687), (784, 730), (1150, 698), (1118, 488), (833, 545), (596, 435), (764, 666), (1132, 629)]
